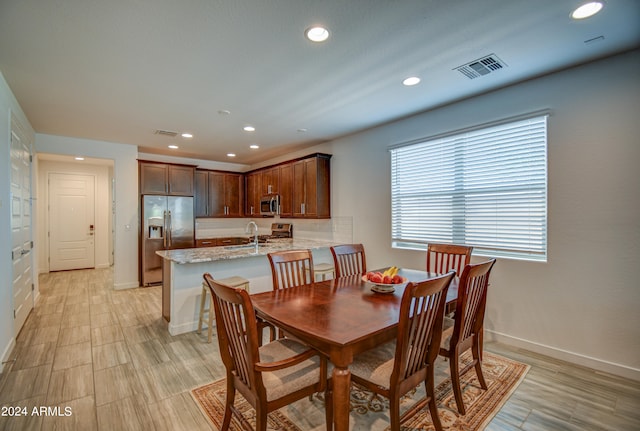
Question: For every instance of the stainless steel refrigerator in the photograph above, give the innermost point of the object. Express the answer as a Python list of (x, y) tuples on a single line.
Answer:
[(168, 223)]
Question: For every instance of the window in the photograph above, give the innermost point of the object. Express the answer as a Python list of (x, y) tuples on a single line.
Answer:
[(484, 187)]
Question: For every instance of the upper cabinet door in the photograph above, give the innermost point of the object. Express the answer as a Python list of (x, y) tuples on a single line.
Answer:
[(252, 193), (299, 188), (180, 180), (165, 179), (217, 207), (201, 193), (286, 190), (153, 178), (271, 181), (233, 195), (311, 188)]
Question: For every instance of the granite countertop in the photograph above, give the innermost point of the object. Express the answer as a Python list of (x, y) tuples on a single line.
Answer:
[(211, 254)]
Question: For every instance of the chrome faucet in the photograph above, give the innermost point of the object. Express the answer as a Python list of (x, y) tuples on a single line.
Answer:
[(255, 229)]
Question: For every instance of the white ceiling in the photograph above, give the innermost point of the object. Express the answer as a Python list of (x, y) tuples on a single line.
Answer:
[(118, 70)]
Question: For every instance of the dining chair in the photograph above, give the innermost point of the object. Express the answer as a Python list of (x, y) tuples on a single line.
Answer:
[(349, 259), (270, 376), (397, 367), (442, 258), (291, 268), (465, 331)]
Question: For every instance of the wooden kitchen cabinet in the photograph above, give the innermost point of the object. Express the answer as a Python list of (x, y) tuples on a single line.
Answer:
[(221, 242), (201, 194), (311, 187), (286, 190), (219, 194), (270, 181), (166, 179), (253, 191)]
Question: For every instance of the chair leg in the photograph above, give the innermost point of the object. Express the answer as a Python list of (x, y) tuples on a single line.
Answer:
[(394, 412), (328, 407), (433, 408), (455, 381), (231, 395), (261, 419), (476, 351)]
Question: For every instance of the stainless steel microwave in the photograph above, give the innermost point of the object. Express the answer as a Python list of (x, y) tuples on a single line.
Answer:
[(269, 205)]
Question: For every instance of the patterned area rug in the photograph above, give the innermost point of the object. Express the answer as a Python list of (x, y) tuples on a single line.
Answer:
[(370, 412)]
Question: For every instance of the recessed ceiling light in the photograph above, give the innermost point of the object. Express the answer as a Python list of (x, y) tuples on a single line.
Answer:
[(587, 10), (254, 146), (412, 80), (302, 130), (231, 154), (187, 135), (173, 147), (224, 112), (249, 129), (317, 34), (79, 158)]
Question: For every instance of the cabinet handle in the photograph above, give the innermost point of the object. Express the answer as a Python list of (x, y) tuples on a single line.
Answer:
[(302, 208), (206, 242), (251, 211)]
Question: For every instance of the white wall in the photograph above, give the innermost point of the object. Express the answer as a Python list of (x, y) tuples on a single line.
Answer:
[(582, 305), (126, 196), (102, 220), (8, 105)]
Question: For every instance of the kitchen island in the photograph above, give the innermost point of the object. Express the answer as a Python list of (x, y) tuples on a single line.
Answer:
[(182, 272)]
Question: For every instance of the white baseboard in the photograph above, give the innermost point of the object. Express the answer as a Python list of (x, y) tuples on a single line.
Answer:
[(127, 285), (186, 327), (6, 353), (564, 355)]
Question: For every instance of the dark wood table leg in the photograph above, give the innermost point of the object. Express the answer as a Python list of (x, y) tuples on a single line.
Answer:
[(341, 399)]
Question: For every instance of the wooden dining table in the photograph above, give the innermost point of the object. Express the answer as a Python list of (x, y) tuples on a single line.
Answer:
[(340, 318)]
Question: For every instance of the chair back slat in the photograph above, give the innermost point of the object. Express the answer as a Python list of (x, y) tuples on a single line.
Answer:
[(349, 259), (472, 300), (442, 258), (420, 325), (291, 268), (237, 331), (233, 318)]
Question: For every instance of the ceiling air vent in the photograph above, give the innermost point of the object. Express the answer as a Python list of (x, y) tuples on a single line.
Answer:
[(166, 133), (481, 67)]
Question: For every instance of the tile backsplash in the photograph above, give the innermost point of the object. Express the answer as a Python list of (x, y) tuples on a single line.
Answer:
[(337, 229)]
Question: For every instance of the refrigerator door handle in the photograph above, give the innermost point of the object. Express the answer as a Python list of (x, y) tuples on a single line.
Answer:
[(170, 228), (164, 227)]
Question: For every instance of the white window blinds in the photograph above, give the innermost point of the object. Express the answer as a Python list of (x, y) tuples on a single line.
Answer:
[(486, 188)]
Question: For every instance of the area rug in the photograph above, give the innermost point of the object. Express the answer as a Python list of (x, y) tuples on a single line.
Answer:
[(370, 412)]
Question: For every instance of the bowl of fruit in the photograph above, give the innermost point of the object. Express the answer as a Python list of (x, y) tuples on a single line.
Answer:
[(384, 282)]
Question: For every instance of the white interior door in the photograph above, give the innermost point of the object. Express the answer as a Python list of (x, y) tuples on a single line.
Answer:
[(71, 221), (21, 235)]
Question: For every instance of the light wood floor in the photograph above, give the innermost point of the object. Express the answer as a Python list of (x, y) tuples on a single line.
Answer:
[(107, 357)]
